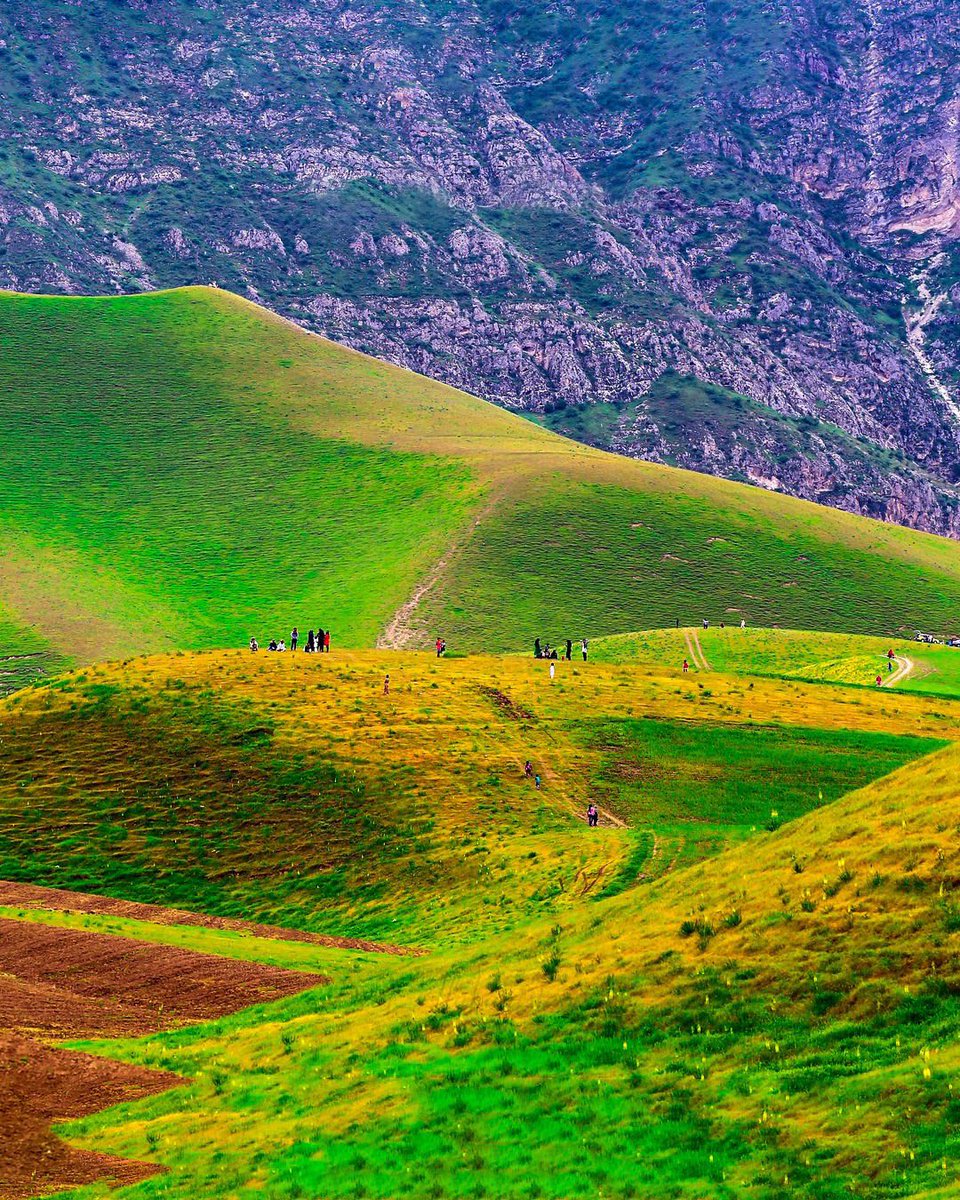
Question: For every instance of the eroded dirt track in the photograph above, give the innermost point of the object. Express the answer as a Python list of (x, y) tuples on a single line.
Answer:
[(63, 983), (29, 895)]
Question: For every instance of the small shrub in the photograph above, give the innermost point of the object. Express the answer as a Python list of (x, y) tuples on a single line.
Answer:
[(733, 919), (551, 966)]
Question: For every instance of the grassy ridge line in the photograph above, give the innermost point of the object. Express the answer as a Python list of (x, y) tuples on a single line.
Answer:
[(193, 470), (753, 1026)]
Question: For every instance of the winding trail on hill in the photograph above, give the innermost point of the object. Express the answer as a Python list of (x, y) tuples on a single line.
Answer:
[(400, 633), (696, 650), (904, 667)]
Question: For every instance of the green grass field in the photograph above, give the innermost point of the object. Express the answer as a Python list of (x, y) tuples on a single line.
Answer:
[(794, 654), (766, 1012), (189, 470), (745, 981)]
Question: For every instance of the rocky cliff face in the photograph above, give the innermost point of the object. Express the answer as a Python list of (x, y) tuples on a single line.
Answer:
[(721, 235)]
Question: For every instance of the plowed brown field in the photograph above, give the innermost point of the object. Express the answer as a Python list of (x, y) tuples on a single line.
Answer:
[(63, 983), (29, 895)]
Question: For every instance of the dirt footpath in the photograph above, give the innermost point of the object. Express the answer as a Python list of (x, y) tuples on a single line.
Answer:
[(29, 895), (64, 983)]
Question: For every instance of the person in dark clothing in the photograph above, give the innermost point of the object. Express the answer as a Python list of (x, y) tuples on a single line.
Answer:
[(294, 638), (528, 769), (593, 814), (319, 641), (584, 647), (273, 644), (569, 649), (555, 656), (311, 642), (537, 653)]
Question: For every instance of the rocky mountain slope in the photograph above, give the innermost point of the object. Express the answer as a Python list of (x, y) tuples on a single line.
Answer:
[(720, 235)]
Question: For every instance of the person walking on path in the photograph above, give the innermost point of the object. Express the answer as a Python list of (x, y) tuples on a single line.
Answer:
[(386, 685), (553, 670), (593, 815), (583, 648), (536, 782), (294, 638), (326, 642), (569, 649), (528, 769)]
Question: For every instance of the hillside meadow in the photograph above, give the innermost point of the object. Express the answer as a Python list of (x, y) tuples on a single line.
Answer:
[(189, 470), (744, 979)]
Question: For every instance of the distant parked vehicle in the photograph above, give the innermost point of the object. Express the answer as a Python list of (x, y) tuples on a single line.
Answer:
[(954, 641)]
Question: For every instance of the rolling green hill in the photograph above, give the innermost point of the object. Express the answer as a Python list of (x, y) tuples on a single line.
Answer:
[(779, 1018), (184, 469)]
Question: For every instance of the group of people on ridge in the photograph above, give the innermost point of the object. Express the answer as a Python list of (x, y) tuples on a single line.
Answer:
[(317, 643), (545, 650)]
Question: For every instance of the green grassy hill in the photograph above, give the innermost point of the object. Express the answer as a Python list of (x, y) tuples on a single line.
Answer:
[(184, 470), (592, 1019), (795, 654)]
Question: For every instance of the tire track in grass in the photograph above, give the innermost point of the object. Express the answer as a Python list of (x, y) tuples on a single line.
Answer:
[(904, 668), (695, 650)]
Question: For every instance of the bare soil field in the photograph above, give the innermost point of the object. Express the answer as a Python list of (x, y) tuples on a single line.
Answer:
[(63, 983), (28, 895)]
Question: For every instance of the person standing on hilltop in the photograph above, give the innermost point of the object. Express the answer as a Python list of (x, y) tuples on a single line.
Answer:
[(311, 642), (439, 646), (294, 638), (569, 649), (537, 652), (326, 642), (583, 648), (319, 642), (686, 666)]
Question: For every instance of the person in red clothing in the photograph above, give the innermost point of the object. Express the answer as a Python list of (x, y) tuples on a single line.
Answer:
[(879, 681), (326, 641), (686, 666)]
